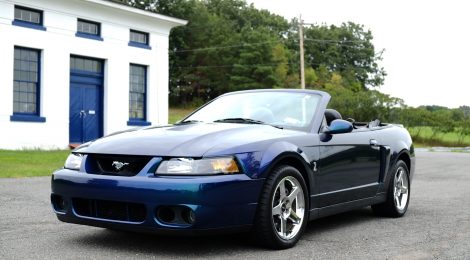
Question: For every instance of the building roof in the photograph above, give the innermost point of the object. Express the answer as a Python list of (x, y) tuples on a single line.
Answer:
[(121, 6)]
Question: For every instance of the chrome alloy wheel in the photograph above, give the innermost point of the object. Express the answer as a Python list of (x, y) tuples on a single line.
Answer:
[(288, 208), (400, 189)]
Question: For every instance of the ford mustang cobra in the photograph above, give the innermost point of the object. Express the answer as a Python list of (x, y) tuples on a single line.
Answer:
[(261, 161)]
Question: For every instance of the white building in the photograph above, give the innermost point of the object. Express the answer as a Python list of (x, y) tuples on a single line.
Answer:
[(75, 70)]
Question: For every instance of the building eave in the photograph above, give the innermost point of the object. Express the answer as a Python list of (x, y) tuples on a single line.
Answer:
[(168, 19)]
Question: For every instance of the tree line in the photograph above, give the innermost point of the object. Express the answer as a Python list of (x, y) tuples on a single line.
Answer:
[(229, 45)]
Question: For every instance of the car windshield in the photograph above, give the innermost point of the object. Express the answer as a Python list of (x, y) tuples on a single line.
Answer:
[(276, 108)]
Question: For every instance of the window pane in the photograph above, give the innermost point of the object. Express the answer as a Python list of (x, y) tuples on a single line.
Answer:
[(24, 75), (88, 65), (33, 67), (24, 55), (31, 108), (24, 107), (31, 87), (33, 56), (33, 76), (98, 67), (80, 64), (23, 87), (16, 74), (17, 13), (35, 18), (23, 97)]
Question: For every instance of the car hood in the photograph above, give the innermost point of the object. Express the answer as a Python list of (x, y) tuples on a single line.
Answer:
[(191, 140)]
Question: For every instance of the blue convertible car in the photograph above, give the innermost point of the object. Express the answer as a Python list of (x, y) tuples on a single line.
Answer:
[(263, 161)]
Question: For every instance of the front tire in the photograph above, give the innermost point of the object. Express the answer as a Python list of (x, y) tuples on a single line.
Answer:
[(282, 210), (398, 193)]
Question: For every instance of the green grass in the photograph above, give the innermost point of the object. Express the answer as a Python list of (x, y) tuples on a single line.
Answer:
[(423, 137), (176, 114), (29, 163)]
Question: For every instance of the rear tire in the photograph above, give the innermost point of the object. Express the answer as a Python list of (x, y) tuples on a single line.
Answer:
[(398, 193), (282, 213)]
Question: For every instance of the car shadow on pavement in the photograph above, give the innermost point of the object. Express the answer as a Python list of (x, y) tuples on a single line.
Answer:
[(200, 246), (339, 221)]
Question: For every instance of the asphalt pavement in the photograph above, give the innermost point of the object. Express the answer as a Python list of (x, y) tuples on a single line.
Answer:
[(437, 225)]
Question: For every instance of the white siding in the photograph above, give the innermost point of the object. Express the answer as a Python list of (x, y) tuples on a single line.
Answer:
[(58, 43)]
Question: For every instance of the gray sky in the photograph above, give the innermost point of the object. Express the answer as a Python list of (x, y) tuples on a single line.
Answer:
[(427, 43)]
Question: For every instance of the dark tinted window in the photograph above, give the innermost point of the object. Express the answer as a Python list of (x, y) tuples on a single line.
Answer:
[(28, 15), (137, 91), (139, 37), (26, 80), (84, 64), (88, 27)]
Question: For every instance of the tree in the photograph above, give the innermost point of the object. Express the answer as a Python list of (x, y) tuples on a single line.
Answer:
[(347, 50)]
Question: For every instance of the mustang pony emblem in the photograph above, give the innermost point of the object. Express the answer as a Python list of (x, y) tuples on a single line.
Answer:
[(119, 165)]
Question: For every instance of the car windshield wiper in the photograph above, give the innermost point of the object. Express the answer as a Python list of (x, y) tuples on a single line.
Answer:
[(245, 121), (188, 122)]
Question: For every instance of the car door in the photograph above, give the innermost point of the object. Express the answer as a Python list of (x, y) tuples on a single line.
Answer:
[(349, 167)]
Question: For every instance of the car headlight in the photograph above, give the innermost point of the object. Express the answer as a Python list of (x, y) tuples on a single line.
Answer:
[(206, 166), (74, 161)]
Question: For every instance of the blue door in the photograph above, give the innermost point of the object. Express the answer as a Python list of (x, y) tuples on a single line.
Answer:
[(86, 99)]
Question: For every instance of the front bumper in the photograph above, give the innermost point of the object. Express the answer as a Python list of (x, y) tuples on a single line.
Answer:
[(218, 202)]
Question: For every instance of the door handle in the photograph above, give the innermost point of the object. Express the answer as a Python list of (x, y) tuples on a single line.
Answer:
[(82, 113), (374, 143)]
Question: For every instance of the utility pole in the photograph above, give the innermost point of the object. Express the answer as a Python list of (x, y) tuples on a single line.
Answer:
[(301, 43)]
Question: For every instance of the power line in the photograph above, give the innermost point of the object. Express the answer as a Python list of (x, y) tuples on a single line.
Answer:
[(264, 65), (234, 65), (334, 41), (225, 47)]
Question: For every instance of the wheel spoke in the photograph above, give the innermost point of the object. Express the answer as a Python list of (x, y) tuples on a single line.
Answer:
[(283, 226), (277, 210), (293, 195), (404, 190), (397, 201), (400, 177), (294, 217), (282, 189)]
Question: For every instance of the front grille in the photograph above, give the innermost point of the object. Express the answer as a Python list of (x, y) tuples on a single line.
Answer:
[(115, 165), (111, 210)]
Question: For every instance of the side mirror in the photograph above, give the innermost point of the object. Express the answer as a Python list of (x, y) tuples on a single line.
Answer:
[(339, 126)]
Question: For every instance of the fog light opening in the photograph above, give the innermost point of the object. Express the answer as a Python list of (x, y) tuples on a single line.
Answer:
[(166, 214), (58, 203), (189, 216)]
